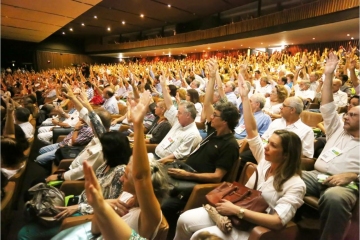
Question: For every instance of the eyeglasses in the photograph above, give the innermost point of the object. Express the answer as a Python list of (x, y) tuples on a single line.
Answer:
[(214, 115), (350, 115)]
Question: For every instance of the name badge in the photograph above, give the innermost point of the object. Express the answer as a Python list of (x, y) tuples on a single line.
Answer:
[(167, 142), (240, 129), (331, 154)]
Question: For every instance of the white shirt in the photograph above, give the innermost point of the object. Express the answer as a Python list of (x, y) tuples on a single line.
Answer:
[(28, 129), (273, 109), (180, 140), (304, 132), (263, 90), (340, 98), (304, 94), (111, 105), (336, 136)]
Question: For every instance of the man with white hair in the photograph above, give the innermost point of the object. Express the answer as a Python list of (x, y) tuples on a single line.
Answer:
[(302, 89), (263, 120), (340, 97)]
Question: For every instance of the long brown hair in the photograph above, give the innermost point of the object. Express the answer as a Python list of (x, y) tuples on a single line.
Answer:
[(291, 165)]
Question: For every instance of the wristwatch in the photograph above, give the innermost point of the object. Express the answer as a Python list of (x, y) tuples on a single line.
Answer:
[(241, 213)]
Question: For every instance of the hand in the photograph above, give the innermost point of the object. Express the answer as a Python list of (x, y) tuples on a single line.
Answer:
[(162, 79), (226, 208), (92, 189), (66, 211), (331, 64), (114, 122), (78, 125), (178, 173), (352, 64), (138, 112), (243, 87), (213, 67), (51, 178), (120, 207), (10, 106), (165, 161), (341, 179), (54, 121), (84, 101), (70, 93)]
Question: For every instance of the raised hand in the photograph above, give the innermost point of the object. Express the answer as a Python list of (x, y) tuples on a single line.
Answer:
[(243, 87), (331, 64), (138, 112), (93, 189), (213, 67), (84, 100), (70, 94)]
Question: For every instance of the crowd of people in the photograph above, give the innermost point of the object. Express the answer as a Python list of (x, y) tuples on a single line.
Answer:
[(199, 112)]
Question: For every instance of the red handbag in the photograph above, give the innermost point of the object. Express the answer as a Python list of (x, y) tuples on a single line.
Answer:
[(241, 196)]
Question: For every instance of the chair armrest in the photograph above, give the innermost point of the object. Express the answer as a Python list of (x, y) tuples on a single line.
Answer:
[(57, 131), (289, 232), (73, 187), (197, 197), (124, 127), (63, 166), (150, 148), (74, 221)]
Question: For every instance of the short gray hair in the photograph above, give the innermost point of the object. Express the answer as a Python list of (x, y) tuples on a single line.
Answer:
[(189, 107), (297, 103), (260, 99)]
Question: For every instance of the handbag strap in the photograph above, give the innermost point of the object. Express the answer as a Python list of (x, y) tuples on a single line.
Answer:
[(256, 179)]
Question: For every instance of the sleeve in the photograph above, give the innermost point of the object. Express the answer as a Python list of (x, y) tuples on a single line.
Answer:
[(308, 144), (96, 123), (228, 155), (343, 100), (331, 121), (264, 124), (257, 148), (292, 199), (85, 136), (84, 115), (186, 146), (170, 114)]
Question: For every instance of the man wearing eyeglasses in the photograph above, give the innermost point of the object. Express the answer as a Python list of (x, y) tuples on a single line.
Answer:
[(337, 167)]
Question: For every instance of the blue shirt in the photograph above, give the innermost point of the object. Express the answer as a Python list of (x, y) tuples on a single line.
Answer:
[(262, 121)]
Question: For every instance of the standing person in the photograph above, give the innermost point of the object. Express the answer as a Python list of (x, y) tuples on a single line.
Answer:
[(279, 180), (339, 160)]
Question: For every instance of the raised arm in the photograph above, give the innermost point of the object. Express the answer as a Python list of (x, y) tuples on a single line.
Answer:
[(150, 208), (165, 93), (327, 94), (353, 78), (208, 107), (250, 123), (9, 130)]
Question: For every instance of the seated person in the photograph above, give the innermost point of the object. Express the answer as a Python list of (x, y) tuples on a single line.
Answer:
[(211, 163), (279, 180), (117, 152), (263, 120), (146, 181), (339, 160), (81, 135), (160, 126), (22, 119), (184, 136)]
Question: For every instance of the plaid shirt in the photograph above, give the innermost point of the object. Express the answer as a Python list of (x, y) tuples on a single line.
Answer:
[(84, 137)]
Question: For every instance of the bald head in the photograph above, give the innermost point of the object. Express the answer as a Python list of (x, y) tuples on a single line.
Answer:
[(336, 85), (108, 92)]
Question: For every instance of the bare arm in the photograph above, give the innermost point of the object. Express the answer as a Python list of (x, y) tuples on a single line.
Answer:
[(208, 108), (165, 93), (9, 130)]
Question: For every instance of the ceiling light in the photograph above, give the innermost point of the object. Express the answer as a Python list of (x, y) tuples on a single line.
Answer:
[(348, 35), (313, 38), (82, 24), (223, 46), (95, 16), (261, 43), (141, 15), (108, 29), (209, 48), (241, 45), (169, 6), (352, 38), (63, 33), (123, 22), (71, 29)]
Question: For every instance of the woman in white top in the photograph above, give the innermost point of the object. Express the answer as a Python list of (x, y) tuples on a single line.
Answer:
[(279, 180), (274, 102)]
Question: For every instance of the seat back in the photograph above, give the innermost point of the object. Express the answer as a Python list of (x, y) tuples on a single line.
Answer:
[(311, 118), (122, 109), (163, 230), (231, 176), (247, 171)]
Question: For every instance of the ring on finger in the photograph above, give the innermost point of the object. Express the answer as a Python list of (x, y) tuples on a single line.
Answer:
[(115, 208)]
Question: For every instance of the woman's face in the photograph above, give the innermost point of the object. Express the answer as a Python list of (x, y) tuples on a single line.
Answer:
[(187, 97), (273, 95), (274, 150), (159, 110), (127, 180)]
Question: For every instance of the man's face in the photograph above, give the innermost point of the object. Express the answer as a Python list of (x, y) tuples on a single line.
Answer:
[(353, 103), (228, 87), (303, 86), (216, 120), (351, 119), (254, 104), (286, 110), (336, 85), (313, 77), (182, 116), (193, 85)]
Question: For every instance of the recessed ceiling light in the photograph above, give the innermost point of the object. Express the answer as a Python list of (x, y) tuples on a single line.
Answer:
[(95, 16), (142, 15), (313, 38), (223, 46), (63, 33), (169, 6), (108, 29), (261, 43), (82, 24), (348, 35), (123, 22), (241, 45), (70, 29), (232, 48), (209, 48), (352, 38)]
